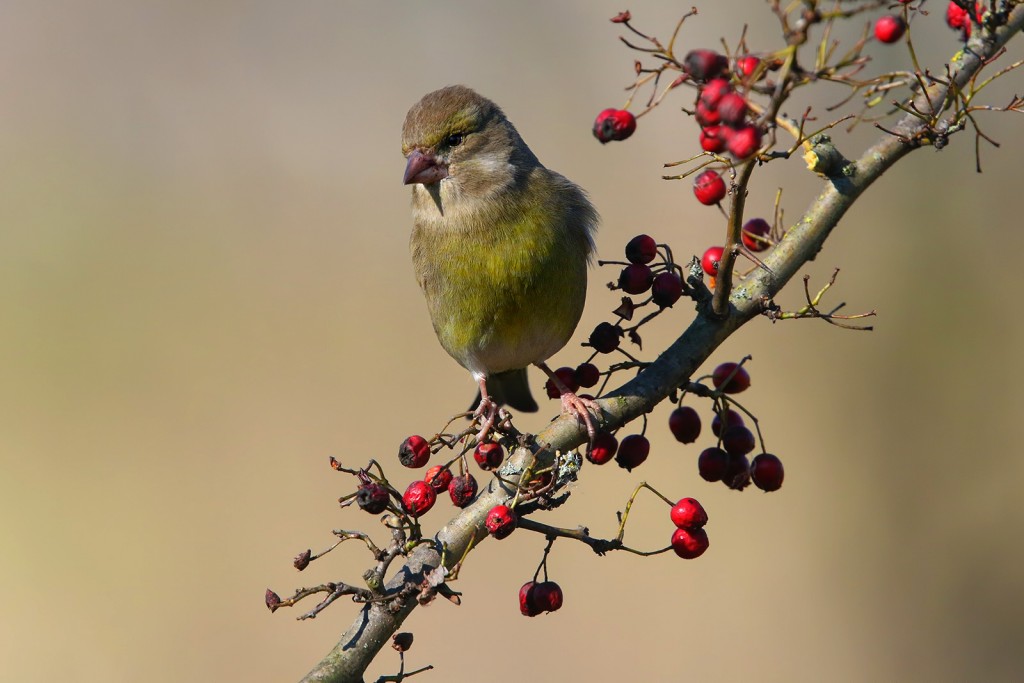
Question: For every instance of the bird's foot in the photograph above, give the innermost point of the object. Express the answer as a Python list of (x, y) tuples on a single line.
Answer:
[(487, 414), (583, 408)]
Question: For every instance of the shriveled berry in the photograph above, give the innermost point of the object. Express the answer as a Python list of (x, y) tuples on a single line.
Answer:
[(587, 375), (744, 141), (766, 471), (372, 498), (566, 376), (890, 28), (684, 423), (732, 107), (755, 233), (711, 139), (710, 260), (713, 92), (688, 513), (690, 544), (731, 418), (737, 477), (603, 448), (738, 440), (527, 604), (706, 116), (614, 124), (605, 337), (666, 289), (641, 249), (747, 65), (633, 450), (713, 464), (703, 65), (730, 378), (548, 596), (489, 455), (462, 490), (709, 188), (418, 498), (635, 278), (501, 521), (414, 451), (439, 477)]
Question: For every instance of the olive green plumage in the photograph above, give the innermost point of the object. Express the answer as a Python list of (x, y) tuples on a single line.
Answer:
[(500, 244)]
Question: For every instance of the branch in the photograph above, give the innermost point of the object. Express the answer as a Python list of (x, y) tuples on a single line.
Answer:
[(377, 621)]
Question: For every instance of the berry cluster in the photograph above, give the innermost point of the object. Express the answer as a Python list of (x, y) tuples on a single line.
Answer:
[(689, 540), (724, 114)]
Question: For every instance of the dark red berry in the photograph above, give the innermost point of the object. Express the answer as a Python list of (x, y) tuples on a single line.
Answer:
[(372, 498), (684, 423), (713, 464), (633, 450), (605, 337), (501, 521), (690, 543), (414, 451), (635, 278), (732, 107), (711, 140), (641, 249), (707, 116), (713, 92), (890, 28), (418, 498), (710, 260), (548, 596), (301, 560), (747, 65), (439, 477), (709, 188), (755, 233), (730, 378), (602, 449), (738, 440), (587, 375), (738, 474), (489, 455), (567, 376), (614, 124), (744, 142), (666, 289), (462, 490), (703, 65), (527, 604), (731, 418), (766, 471), (688, 514)]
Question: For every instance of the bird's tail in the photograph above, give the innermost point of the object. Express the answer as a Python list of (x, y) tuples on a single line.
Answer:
[(511, 389)]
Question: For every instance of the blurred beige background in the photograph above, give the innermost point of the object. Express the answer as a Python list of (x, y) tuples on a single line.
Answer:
[(205, 292)]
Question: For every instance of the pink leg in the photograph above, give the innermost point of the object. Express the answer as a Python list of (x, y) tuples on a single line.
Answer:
[(486, 412), (573, 404)]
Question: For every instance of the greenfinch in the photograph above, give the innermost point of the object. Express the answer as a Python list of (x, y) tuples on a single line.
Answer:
[(500, 247)]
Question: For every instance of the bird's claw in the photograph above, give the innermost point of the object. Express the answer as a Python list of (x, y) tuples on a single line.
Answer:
[(581, 408), (487, 413)]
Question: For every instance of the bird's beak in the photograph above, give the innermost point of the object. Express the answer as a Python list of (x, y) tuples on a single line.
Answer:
[(424, 167)]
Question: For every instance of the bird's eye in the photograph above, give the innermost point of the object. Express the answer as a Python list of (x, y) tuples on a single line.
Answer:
[(454, 140)]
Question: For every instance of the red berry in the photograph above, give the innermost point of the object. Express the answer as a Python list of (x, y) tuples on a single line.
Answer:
[(527, 604), (641, 249), (614, 124), (548, 596), (747, 65), (587, 375), (706, 116), (713, 92), (373, 498), (602, 449), (666, 289), (688, 514), (890, 28), (489, 455), (462, 490), (501, 521), (730, 378), (738, 475), (439, 477), (711, 139), (712, 257), (605, 337), (731, 418), (414, 451), (418, 498), (755, 233), (767, 473), (744, 142), (713, 464), (957, 17), (733, 109), (684, 423), (635, 278), (709, 188), (633, 450), (738, 440), (690, 543), (566, 376), (703, 65)]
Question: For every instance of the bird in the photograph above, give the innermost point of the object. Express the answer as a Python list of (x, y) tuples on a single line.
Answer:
[(500, 247)]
